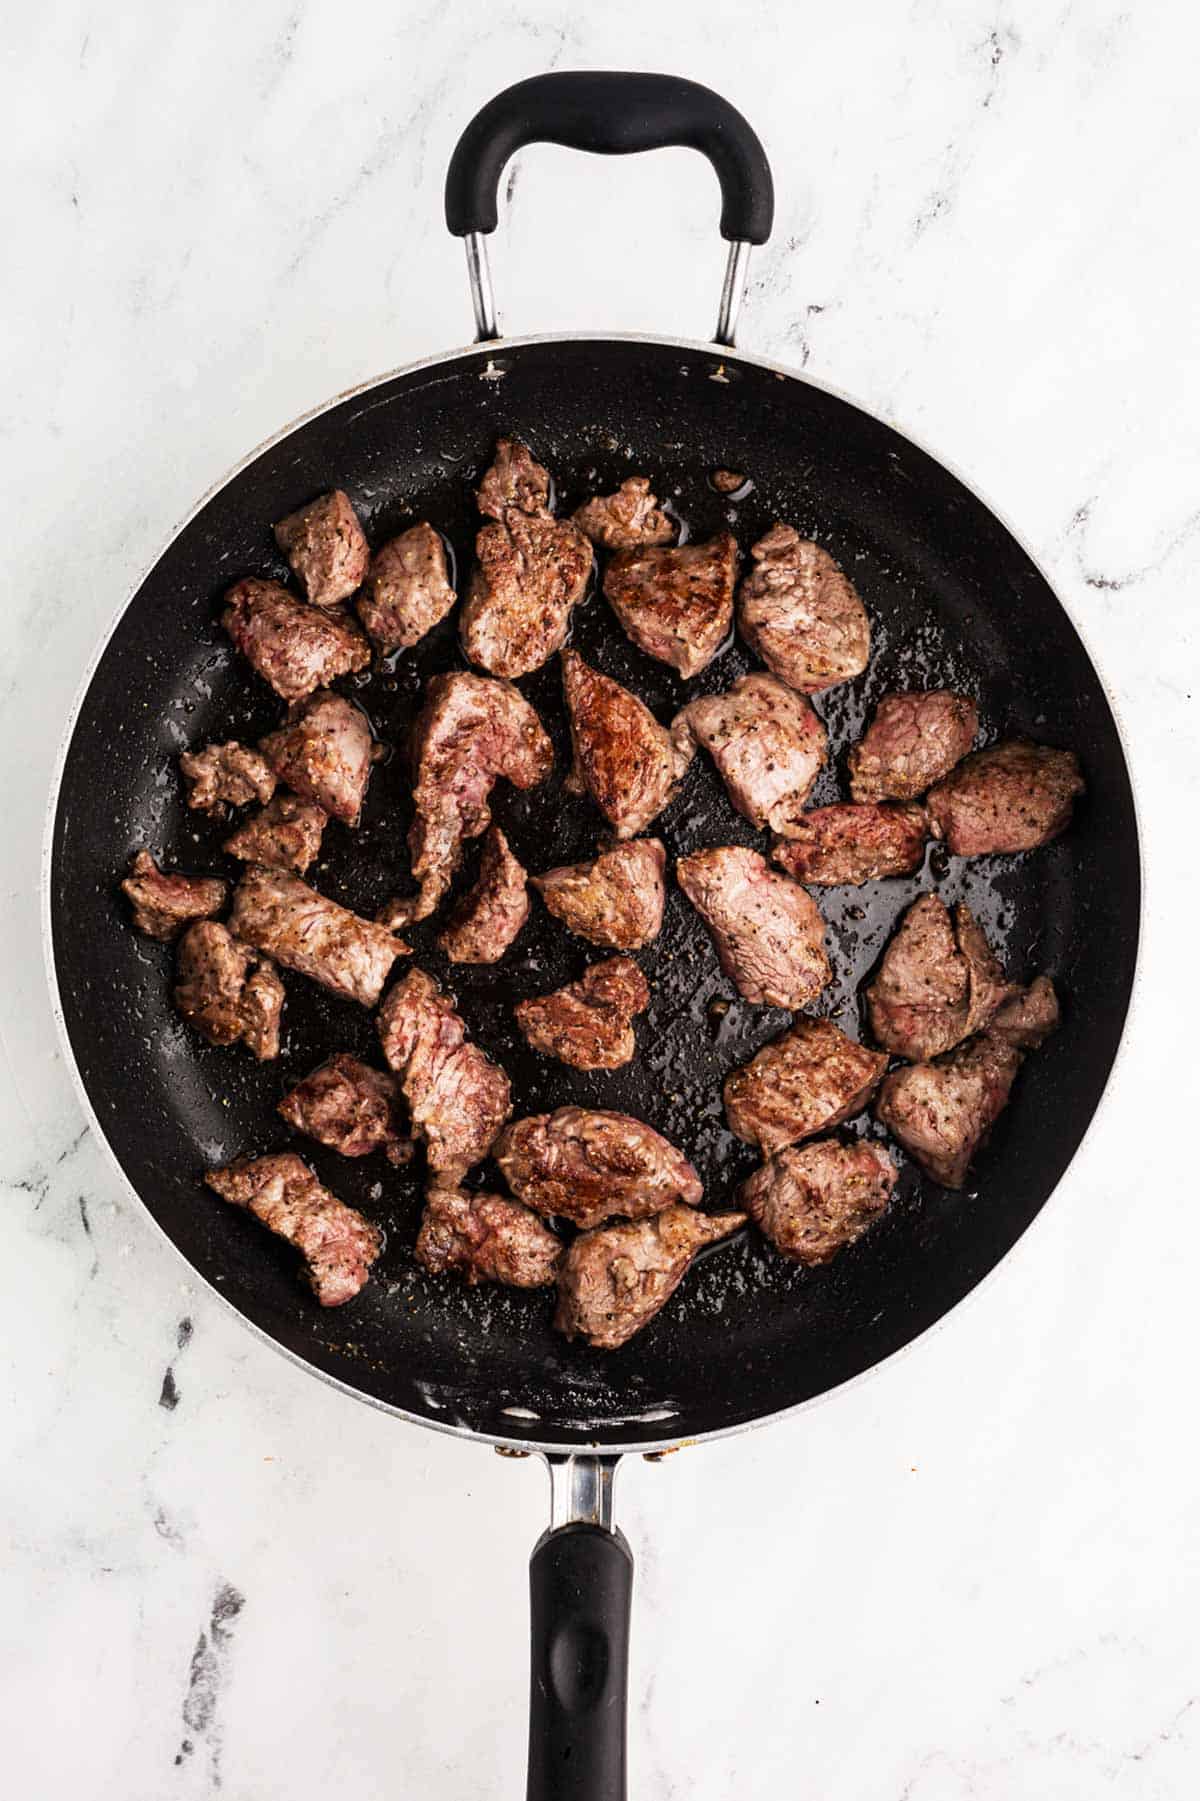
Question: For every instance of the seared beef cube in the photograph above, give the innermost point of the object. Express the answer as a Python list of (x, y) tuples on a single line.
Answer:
[(676, 604), (338, 1245), (616, 900), (324, 754), (326, 547), (407, 591), (626, 519), (286, 834), (485, 1238), (766, 742), (809, 1080), (912, 741), (348, 1106), (613, 1281), (458, 1099), (814, 1200), (294, 647), (1028, 1015), (163, 904), (226, 992), (770, 938), (226, 775), (589, 1023), (488, 919), (1014, 797), (852, 844), (514, 480), (937, 984), (623, 758), (587, 1166), (802, 614), (279, 914)]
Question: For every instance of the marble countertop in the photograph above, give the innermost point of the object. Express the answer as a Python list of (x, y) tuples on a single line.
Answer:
[(973, 1575)]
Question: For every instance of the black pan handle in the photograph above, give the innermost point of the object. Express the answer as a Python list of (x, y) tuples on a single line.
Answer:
[(610, 113)]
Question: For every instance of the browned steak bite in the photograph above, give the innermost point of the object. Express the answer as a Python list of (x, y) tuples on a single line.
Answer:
[(324, 754), (623, 758), (338, 1245), (407, 590), (626, 519), (458, 1099), (770, 938), (226, 775), (1014, 797), (278, 913), (163, 904), (326, 547), (285, 834), (937, 984), (587, 1166), (616, 900), (912, 741), (294, 647), (941, 1112), (589, 1023), (852, 844), (613, 1281), (485, 1238), (809, 1080), (226, 992), (765, 740), (802, 614), (470, 732), (531, 569), (815, 1199), (676, 604), (487, 920), (348, 1106)]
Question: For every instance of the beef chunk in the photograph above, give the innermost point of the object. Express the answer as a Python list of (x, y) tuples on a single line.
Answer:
[(613, 1281), (324, 754), (937, 984), (470, 732), (770, 938), (326, 547), (765, 740), (294, 647), (912, 741), (676, 604), (814, 1200), (407, 590), (458, 1099), (1014, 797), (1028, 1015), (278, 913), (588, 1166), (626, 519), (801, 613), (226, 775), (589, 1023), (485, 1238), (487, 920), (226, 992), (163, 904), (531, 570), (338, 1245), (852, 844), (616, 900), (348, 1106), (285, 834), (623, 758), (809, 1080)]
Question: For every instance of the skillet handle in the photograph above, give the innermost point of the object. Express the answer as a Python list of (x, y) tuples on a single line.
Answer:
[(611, 114)]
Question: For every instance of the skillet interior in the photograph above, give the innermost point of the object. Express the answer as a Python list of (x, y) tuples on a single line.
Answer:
[(953, 599)]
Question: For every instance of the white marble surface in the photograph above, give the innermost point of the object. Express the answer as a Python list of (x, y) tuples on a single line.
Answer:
[(974, 1575)]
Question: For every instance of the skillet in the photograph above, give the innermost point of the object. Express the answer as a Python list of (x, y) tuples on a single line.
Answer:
[(954, 600)]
